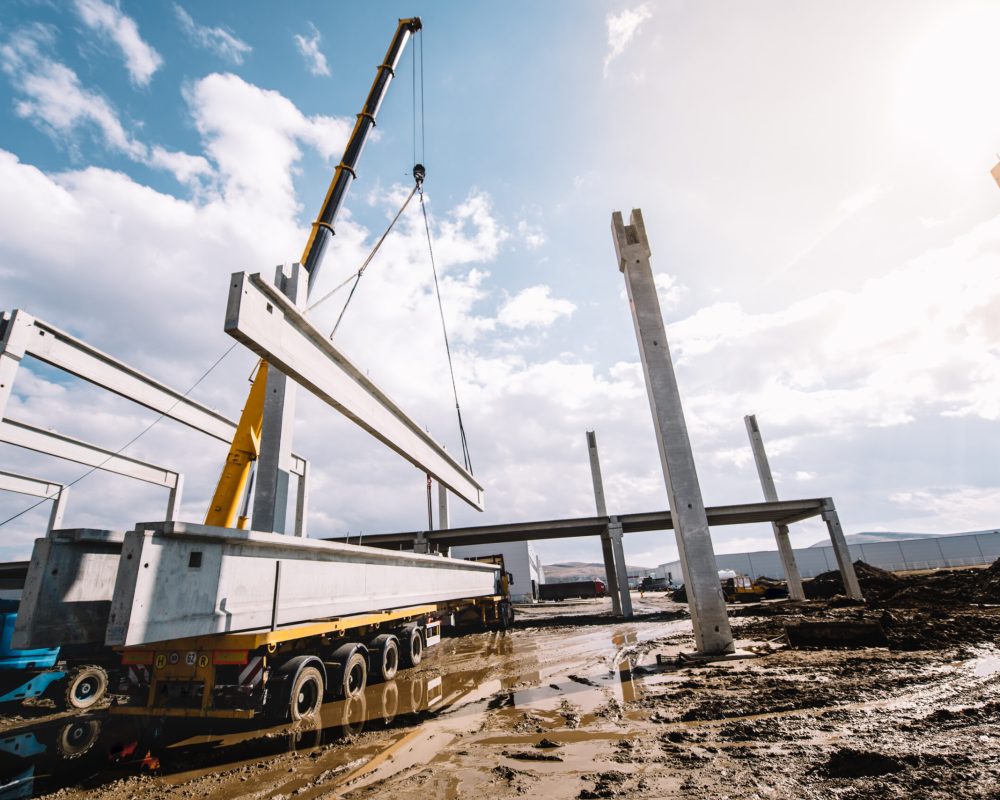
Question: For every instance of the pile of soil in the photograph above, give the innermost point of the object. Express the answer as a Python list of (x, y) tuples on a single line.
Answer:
[(886, 590)]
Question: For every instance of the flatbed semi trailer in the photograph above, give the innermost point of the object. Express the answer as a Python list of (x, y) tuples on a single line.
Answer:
[(287, 673)]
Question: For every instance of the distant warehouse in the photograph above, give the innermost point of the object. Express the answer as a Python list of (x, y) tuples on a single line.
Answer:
[(896, 552)]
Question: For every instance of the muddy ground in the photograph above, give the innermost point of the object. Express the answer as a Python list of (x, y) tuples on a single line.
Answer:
[(573, 704)]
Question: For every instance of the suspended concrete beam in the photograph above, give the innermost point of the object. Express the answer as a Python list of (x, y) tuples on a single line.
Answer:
[(694, 542), (55, 444), (619, 600), (36, 487), (262, 318), (176, 581), (785, 551)]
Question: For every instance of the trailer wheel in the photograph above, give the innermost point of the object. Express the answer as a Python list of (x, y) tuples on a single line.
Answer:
[(386, 664), (306, 696), (354, 675), (413, 646), (85, 687), (76, 738)]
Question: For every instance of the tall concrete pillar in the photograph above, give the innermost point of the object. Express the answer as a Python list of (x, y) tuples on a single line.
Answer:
[(610, 570), (621, 571), (840, 549), (701, 575), (58, 509), (785, 551), (13, 341), (302, 501), (274, 463)]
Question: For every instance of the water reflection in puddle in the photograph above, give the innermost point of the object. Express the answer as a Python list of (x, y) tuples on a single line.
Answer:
[(93, 750)]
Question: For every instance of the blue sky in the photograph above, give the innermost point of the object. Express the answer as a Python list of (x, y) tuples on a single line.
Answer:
[(814, 180)]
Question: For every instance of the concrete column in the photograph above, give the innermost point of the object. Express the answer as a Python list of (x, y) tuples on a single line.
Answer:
[(785, 551), (274, 463), (302, 501), (608, 550), (708, 608), (13, 341), (58, 508), (174, 500), (840, 549), (444, 521), (621, 571)]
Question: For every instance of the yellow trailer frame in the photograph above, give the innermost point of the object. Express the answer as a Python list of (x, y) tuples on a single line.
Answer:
[(194, 660)]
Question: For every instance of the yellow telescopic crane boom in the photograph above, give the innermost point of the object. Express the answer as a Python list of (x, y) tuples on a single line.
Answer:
[(225, 508)]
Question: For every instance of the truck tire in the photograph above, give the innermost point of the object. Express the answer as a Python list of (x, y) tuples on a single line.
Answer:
[(384, 651), (86, 686), (306, 696), (412, 650)]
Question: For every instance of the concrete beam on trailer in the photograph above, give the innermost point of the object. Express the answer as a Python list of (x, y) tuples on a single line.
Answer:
[(262, 318), (709, 619), (786, 511), (68, 588), (67, 448), (607, 546), (785, 551), (36, 487), (229, 576)]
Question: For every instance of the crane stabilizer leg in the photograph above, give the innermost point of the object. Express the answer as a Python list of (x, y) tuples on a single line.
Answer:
[(243, 452)]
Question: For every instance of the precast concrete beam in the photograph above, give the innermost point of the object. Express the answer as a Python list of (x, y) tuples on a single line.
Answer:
[(840, 549), (177, 581), (67, 448), (785, 551), (58, 493), (262, 318), (694, 542), (22, 335)]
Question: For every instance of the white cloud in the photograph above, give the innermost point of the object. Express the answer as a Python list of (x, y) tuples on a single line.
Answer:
[(965, 508), (622, 29), (532, 235), (56, 102), (53, 96), (141, 59), (534, 307), (309, 48), (218, 40)]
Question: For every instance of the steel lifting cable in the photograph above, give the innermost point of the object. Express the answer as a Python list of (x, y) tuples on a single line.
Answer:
[(130, 442), (356, 277), (444, 330)]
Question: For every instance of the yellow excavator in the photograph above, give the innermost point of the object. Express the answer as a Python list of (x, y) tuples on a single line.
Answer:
[(232, 488)]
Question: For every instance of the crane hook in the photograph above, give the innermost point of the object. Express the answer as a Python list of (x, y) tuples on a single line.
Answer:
[(419, 173)]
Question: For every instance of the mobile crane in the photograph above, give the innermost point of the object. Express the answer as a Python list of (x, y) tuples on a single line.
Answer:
[(232, 488)]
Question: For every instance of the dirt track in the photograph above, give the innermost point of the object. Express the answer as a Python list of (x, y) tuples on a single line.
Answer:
[(572, 704)]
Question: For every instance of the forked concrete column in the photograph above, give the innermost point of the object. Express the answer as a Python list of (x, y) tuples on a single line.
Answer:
[(621, 571), (792, 576), (708, 608), (610, 570), (841, 551), (270, 504)]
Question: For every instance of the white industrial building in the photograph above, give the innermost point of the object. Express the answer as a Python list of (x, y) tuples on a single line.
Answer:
[(521, 561), (898, 554)]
